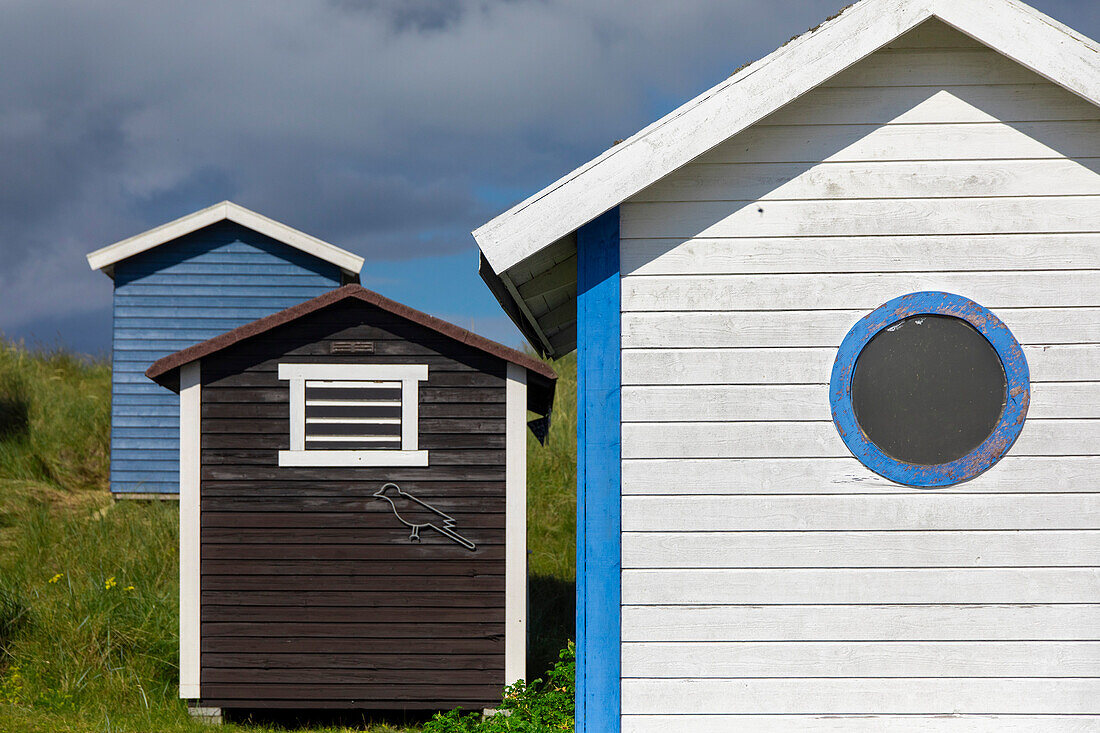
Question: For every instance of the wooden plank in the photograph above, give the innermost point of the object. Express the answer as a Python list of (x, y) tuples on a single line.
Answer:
[(398, 549), (723, 329), (862, 586), (869, 217), (932, 34), (994, 290), (900, 696), (439, 658), (487, 648), (871, 142), (360, 692), (820, 439), (724, 723), (1037, 101), (438, 633), (336, 614), (812, 366), (754, 476), (740, 183), (886, 512), (976, 252), (372, 518), (774, 402), (326, 676), (730, 660), (943, 68), (790, 623), (904, 549)]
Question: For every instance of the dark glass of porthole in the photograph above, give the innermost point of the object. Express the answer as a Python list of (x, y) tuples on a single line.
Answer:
[(928, 389)]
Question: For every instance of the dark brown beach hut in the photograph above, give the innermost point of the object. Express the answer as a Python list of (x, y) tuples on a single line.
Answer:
[(352, 509)]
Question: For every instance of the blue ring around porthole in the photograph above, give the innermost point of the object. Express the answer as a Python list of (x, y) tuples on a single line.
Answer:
[(1008, 427)]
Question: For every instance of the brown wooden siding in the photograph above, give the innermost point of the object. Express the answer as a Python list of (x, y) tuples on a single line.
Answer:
[(312, 594)]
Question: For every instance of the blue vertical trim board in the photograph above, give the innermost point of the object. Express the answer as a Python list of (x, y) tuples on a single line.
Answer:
[(178, 294), (599, 485), (1008, 427)]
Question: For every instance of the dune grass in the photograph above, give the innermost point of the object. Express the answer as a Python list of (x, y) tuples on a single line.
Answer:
[(88, 587)]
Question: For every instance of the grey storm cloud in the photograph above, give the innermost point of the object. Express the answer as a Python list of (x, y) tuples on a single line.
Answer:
[(369, 123)]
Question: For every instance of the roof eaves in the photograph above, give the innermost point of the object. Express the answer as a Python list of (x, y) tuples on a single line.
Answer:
[(106, 257)]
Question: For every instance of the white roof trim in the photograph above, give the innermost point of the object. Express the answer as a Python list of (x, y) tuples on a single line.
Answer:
[(1010, 27), (105, 258)]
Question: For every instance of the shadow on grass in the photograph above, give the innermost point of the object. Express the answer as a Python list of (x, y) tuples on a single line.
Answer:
[(375, 720), (551, 604)]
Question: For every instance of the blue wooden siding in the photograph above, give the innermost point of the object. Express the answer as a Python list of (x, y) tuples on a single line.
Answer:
[(176, 295), (599, 470)]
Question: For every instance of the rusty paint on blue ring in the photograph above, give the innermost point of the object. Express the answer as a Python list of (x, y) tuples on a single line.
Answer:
[(1017, 387)]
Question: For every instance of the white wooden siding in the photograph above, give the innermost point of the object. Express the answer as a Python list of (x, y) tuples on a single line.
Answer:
[(769, 578)]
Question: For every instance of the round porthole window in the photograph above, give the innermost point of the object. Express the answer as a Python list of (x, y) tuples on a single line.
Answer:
[(930, 389)]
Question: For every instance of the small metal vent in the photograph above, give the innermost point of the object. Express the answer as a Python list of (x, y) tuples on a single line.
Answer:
[(352, 347)]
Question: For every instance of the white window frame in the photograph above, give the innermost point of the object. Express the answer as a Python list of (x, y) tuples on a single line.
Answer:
[(409, 375)]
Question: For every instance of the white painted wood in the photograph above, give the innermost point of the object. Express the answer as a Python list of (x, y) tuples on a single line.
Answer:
[(754, 476), (733, 182), (297, 414), (355, 372), (106, 257), (932, 34), (408, 376), (750, 95), (864, 585), (945, 67), (515, 581), (862, 723), (820, 439), (947, 622), (917, 510), (813, 144), (863, 291), (898, 696), (723, 329), (353, 458), (813, 366), (799, 402), (897, 549), (977, 252), (410, 412), (729, 660), (939, 103), (1028, 37), (190, 533), (1008, 215)]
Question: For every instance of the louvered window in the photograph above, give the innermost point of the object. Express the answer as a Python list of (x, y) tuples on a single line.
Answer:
[(353, 415)]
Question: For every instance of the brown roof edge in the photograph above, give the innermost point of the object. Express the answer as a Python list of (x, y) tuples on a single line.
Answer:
[(163, 367)]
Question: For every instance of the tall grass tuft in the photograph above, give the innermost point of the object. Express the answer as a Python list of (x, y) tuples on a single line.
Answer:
[(55, 413), (551, 526)]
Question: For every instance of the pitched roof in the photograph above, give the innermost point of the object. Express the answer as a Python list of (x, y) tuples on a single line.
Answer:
[(540, 392), (106, 257), (549, 217)]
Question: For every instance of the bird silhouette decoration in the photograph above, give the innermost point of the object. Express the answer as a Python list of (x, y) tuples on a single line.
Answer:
[(417, 515)]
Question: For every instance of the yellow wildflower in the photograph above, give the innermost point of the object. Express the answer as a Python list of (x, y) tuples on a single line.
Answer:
[(129, 587), (57, 577), (110, 583)]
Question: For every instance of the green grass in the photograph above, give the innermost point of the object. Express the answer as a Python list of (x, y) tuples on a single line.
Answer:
[(88, 587)]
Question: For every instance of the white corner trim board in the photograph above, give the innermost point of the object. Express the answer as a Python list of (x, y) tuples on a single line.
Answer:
[(515, 580), (1012, 28), (364, 377), (106, 257), (190, 464)]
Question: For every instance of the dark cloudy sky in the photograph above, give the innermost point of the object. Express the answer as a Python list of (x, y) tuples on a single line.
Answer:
[(388, 127)]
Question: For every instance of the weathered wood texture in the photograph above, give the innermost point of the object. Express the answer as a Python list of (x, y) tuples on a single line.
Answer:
[(312, 593), (766, 571), (176, 295)]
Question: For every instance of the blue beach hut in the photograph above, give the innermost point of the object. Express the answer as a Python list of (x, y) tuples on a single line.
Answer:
[(180, 284)]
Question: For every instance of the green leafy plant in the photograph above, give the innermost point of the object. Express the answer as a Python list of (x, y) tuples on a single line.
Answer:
[(539, 707)]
